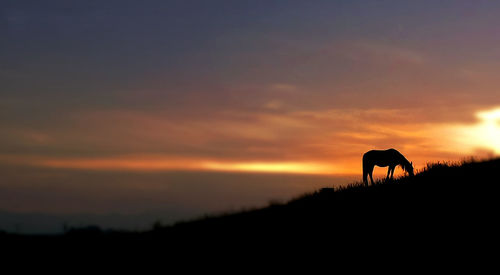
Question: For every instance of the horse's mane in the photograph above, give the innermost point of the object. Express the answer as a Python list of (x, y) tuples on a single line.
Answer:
[(405, 164)]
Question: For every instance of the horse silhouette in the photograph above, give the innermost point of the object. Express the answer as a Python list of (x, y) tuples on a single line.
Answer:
[(384, 158)]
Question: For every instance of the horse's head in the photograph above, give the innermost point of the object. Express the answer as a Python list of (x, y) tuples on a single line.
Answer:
[(409, 168)]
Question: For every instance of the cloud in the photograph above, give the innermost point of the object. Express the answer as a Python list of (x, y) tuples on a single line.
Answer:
[(326, 101), (321, 141)]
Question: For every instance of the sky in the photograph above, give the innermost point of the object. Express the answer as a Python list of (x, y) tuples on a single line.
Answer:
[(240, 87)]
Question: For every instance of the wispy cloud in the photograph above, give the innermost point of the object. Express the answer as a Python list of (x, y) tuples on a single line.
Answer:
[(323, 142)]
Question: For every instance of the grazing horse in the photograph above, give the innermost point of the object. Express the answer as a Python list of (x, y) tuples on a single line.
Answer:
[(384, 158)]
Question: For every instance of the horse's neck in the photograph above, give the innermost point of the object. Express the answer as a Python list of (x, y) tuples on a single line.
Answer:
[(405, 164), (401, 159)]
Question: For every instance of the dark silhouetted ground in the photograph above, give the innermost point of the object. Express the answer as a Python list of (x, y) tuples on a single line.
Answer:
[(445, 207)]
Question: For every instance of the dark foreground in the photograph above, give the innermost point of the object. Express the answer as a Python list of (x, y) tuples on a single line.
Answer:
[(443, 207)]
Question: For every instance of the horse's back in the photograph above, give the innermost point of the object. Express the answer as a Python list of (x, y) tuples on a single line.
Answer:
[(381, 152), (373, 153), (380, 157)]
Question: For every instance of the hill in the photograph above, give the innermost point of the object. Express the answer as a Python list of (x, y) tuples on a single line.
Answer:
[(444, 199), (447, 204)]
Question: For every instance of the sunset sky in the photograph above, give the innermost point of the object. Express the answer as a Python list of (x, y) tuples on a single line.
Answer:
[(262, 86)]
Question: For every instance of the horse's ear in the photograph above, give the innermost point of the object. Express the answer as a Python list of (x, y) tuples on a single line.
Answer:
[(411, 163)]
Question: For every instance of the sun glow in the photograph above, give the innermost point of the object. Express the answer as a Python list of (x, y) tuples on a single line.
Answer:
[(483, 135), (270, 167)]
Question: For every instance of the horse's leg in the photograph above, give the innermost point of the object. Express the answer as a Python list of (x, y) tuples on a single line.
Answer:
[(388, 173), (371, 175), (365, 174), (392, 172)]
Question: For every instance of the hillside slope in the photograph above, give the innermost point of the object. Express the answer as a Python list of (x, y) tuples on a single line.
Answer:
[(442, 199), (448, 204)]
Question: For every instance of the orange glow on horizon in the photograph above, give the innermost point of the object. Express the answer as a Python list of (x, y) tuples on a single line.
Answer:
[(164, 164), (274, 167), (334, 153)]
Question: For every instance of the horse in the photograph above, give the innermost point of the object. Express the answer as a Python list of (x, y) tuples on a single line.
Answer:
[(384, 158)]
